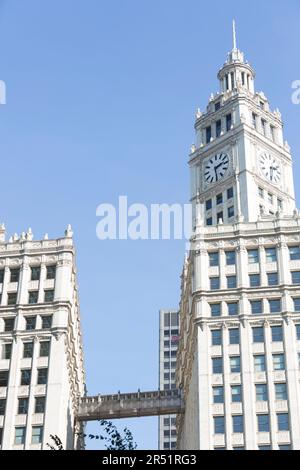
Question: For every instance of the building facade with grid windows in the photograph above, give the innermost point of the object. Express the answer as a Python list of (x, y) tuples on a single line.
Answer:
[(41, 358), (168, 344), (239, 353)]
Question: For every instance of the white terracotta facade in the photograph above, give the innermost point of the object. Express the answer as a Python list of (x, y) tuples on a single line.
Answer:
[(41, 362), (238, 359)]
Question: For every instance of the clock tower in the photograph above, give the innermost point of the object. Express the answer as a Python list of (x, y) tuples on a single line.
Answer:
[(238, 359), (241, 168)]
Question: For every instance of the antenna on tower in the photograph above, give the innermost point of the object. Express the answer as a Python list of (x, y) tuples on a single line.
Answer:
[(234, 35)]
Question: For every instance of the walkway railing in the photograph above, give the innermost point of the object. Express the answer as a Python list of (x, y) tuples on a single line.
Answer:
[(129, 405)]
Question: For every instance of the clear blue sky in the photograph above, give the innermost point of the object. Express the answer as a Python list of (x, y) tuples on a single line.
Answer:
[(101, 97)]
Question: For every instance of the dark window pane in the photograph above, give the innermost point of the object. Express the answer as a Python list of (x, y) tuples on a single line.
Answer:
[(14, 275), (35, 273), (254, 280), (230, 257), (33, 297), (42, 376), (40, 404), (51, 270), (30, 323), (28, 349), (9, 324), (3, 378), (25, 377)]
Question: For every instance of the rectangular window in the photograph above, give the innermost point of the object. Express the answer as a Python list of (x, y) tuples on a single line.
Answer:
[(2, 406), (277, 333), (281, 391), (214, 283), (23, 406), (9, 324), (215, 310), (14, 275), (28, 350), (258, 334), (263, 126), (271, 255), (219, 199), (217, 105), (231, 282), (3, 378), (37, 435), (35, 273), (279, 204), (234, 336), (295, 277), (253, 256), (235, 364), (49, 295), (256, 307), (218, 394), (261, 391), (263, 423), (218, 128), (298, 331), (230, 212), (272, 279), (40, 403), (25, 377), (294, 253), (220, 217), (272, 133), (216, 337), (33, 297), (208, 204), (228, 122), (51, 271), (208, 134), (45, 348), (238, 424), (20, 436), (42, 376), (1, 276), (214, 259), (254, 280), (254, 120), (261, 192), (270, 198), (230, 258), (267, 447), (12, 298), (219, 424), (283, 422), (209, 221), (233, 308), (275, 306), (236, 393), (229, 193), (46, 321), (284, 447), (217, 365), (7, 349), (259, 363), (296, 304), (278, 362), (30, 323)]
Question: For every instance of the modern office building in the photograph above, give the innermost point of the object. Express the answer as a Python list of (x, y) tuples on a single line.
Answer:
[(239, 352), (41, 359), (168, 344)]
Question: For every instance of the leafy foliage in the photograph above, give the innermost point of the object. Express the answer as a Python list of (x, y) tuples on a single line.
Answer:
[(112, 438)]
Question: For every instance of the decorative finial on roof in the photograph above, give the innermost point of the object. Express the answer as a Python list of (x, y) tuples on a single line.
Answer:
[(234, 35)]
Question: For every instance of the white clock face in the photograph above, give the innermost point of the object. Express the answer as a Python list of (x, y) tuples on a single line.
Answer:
[(270, 167), (216, 167)]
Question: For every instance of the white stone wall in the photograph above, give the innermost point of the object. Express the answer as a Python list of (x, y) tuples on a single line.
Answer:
[(65, 383)]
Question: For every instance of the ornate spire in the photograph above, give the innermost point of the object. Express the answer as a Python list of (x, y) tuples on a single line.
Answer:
[(234, 35)]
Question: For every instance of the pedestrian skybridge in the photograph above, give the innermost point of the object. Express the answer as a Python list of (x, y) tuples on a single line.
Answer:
[(130, 405)]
